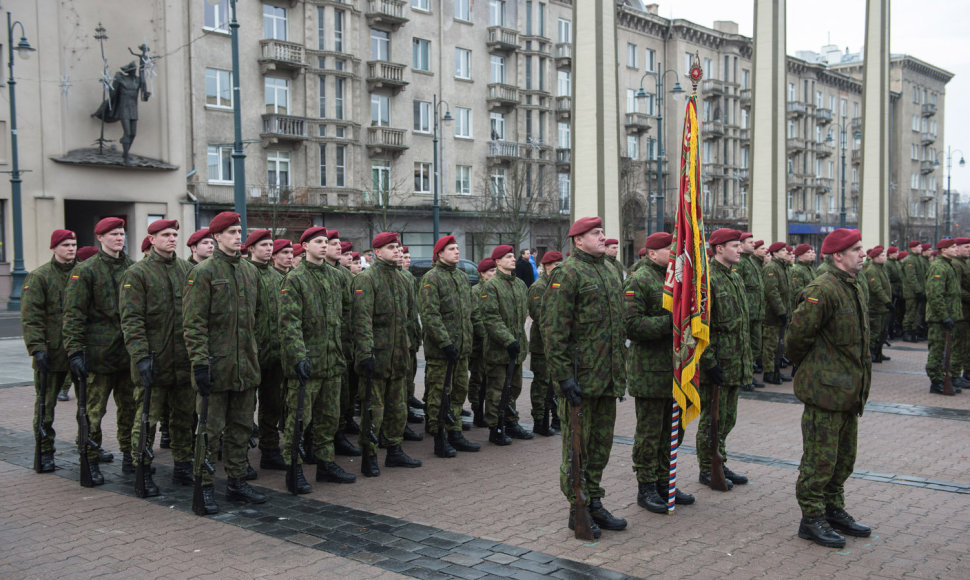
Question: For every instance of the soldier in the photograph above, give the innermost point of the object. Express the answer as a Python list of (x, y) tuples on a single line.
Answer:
[(201, 244), (650, 376), (312, 300), (220, 309), (146, 246), (761, 252), (961, 355), (283, 256), (476, 360), (381, 304), (446, 310), (345, 423), (727, 359), (777, 311), (828, 341), (803, 270), (41, 317), (880, 301), (414, 334), (151, 318), (346, 254), (895, 272), (582, 313), (297, 254), (85, 252), (612, 250), (541, 392), (944, 310), (355, 266), (93, 339), (503, 310), (641, 254), (914, 292), (749, 268)]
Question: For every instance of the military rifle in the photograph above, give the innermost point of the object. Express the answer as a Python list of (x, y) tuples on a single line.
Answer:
[(298, 429), (948, 376), (84, 427), (40, 433), (480, 406), (444, 410), (143, 450), (780, 349), (718, 481), (549, 409), (504, 403), (582, 520), (367, 419), (202, 453)]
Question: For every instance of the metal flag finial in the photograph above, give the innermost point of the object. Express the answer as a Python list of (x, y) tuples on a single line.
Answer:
[(696, 72)]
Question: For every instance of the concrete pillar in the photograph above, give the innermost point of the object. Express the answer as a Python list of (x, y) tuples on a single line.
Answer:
[(768, 199), (596, 122), (874, 174)]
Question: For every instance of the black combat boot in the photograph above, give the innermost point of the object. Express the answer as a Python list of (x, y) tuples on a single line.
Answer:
[(296, 482), (414, 417), (165, 438), (784, 378), (209, 500), (479, 419), (705, 478), (96, 477), (747, 388), (936, 388), (396, 457), (772, 378), (556, 425), (350, 426), (736, 478), (271, 459), (757, 367), (127, 465), (251, 473), (182, 473), (442, 448), (756, 383), (649, 499), (959, 383), (818, 530), (47, 462), (410, 435), (465, 412), (572, 526), (63, 396), (498, 436), (151, 490), (515, 431), (458, 441), (330, 471), (539, 429), (343, 446), (104, 456), (839, 519), (603, 518), (680, 497), (369, 466), (415, 402), (238, 489)]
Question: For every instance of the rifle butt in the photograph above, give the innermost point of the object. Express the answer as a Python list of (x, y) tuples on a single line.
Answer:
[(718, 480), (39, 432), (201, 443), (948, 376)]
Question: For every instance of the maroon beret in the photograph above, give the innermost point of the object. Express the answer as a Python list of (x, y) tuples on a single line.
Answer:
[(311, 233), (642, 252), (384, 238), (405, 250), (346, 247), (86, 252), (961, 241), (875, 252), (550, 257), (914, 243), (945, 243), (146, 244), (331, 234), (485, 265), (839, 240), (159, 225), (583, 225), (612, 241), (58, 236), (775, 247), (224, 221), (107, 224), (935, 253), (790, 248), (903, 254), (723, 236), (258, 236), (297, 249), (710, 252), (355, 256), (199, 236), (504, 249), (658, 241), (894, 249), (801, 249), (440, 245), (758, 244), (280, 245), (746, 235), (926, 246)]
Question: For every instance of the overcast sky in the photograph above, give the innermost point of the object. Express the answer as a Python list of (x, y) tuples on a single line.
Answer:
[(934, 31)]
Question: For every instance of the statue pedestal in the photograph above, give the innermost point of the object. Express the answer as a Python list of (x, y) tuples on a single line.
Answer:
[(112, 159)]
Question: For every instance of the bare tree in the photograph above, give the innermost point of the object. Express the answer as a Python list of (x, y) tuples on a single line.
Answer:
[(515, 196)]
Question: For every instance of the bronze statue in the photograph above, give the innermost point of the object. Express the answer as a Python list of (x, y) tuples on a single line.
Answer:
[(121, 104)]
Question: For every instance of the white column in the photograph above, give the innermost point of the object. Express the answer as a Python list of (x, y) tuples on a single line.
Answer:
[(873, 202)]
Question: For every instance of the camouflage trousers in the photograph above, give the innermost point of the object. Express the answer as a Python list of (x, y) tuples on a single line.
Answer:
[(877, 323), (476, 368), (54, 382), (769, 344), (755, 329), (493, 393), (960, 359), (729, 416), (914, 315), (231, 418), (828, 458), (348, 396), (321, 410), (651, 442), (541, 393), (389, 411), (175, 403), (596, 424), (411, 374), (120, 386), (270, 413), (434, 381), (937, 344)]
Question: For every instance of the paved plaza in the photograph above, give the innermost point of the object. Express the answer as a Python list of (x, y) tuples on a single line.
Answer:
[(499, 513)]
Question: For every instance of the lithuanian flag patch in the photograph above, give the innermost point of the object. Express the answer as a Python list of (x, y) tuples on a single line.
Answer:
[(359, 291), (190, 282), (556, 285), (811, 300)]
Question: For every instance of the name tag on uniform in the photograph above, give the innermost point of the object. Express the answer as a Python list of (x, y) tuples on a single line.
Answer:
[(220, 282), (845, 311), (589, 288)]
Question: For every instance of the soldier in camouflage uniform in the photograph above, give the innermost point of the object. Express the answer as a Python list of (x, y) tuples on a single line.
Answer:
[(219, 313), (727, 359), (612, 251), (541, 392), (914, 292), (476, 361), (282, 256), (960, 360), (311, 310), (202, 245), (41, 318), (345, 424), (504, 308), (778, 299), (445, 300), (894, 271), (880, 301), (582, 326), (944, 310), (803, 270), (829, 342), (382, 303), (749, 268), (650, 376), (414, 335), (94, 342), (641, 260), (151, 319)]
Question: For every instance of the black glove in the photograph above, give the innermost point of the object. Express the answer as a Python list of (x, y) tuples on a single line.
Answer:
[(79, 366), (716, 374), (451, 352), (202, 381), (784, 319), (145, 370), (303, 370), (570, 389), (890, 307), (40, 360), (369, 366), (921, 296), (948, 323), (514, 349)]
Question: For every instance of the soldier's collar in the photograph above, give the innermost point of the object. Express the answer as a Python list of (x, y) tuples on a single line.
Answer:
[(63, 267), (581, 255), (386, 264), (440, 264), (106, 257), (160, 258), (260, 265), (218, 253)]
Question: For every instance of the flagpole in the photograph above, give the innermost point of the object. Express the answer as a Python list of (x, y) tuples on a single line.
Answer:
[(674, 443)]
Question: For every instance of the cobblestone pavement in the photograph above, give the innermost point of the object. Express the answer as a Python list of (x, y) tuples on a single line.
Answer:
[(499, 513)]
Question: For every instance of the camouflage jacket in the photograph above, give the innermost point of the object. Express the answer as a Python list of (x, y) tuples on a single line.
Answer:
[(219, 312), (943, 291), (582, 316), (880, 292), (964, 281), (311, 320), (346, 310), (778, 296), (91, 315), (895, 272), (828, 339), (617, 266), (650, 330), (730, 347), (480, 335), (914, 277), (446, 311), (382, 303), (151, 317), (754, 286), (414, 322), (801, 275), (267, 323), (535, 294), (42, 312), (641, 262), (504, 308)]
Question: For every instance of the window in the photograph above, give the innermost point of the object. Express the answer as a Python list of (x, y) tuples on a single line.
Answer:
[(277, 171), (564, 83), (832, 103), (218, 88), (528, 72), (915, 94), (341, 165), (380, 111), (744, 119), (422, 177), (792, 92), (498, 69), (688, 62), (650, 60), (744, 158), (631, 55), (217, 16), (497, 124), (632, 147), (338, 30), (323, 97), (745, 78), (420, 54), (463, 179), (463, 63), (423, 5), (542, 19), (564, 186), (528, 17), (631, 101), (463, 122), (338, 97), (791, 129), (496, 12), (497, 181), (913, 182), (649, 104), (220, 164), (323, 165), (541, 72), (381, 181), (651, 147), (819, 100), (564, 135), (565, 30), (277, 95), (462, 11), (914, 152), (321, 29), (422, 117), (380, 45), (708, 68), (274, 22)]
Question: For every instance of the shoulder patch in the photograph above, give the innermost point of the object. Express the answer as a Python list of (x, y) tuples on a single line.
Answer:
[(629, 294), (189, 282), (283, 290), (427, 285), (771, 274), (811, 300), (358, 291), (555, 285), (126, 286), (74, 276), (937, 276)]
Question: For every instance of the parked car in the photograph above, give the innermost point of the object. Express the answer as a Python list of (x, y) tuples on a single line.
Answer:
[(421, 265)]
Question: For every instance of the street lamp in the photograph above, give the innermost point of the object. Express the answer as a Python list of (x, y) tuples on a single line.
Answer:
[(949, 173), (19, 273), (641, 94), (447, 117), (842, 137)]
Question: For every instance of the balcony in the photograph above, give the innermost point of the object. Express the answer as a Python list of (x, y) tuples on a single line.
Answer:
[(746, 98), (638, 122), (385, 139), (823, 116), (926, 138), (502, 95), (856, 156), (824, 185), (855, 125), (795, 109), (283, 129), (928, 109), (744, 135), (384, 74), (712, 171), (927, 195), (712, 130), (564, 158), (712, 88), (824, 149), (564, 107), (503, 151), (502, 39), (854, 188), (281, 56), (564, 55), (386, 12), (927, 166), (742, 175), (795, 143)]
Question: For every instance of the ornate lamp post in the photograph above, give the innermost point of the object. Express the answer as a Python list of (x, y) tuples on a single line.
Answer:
[(447, 117), (641, 94)]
